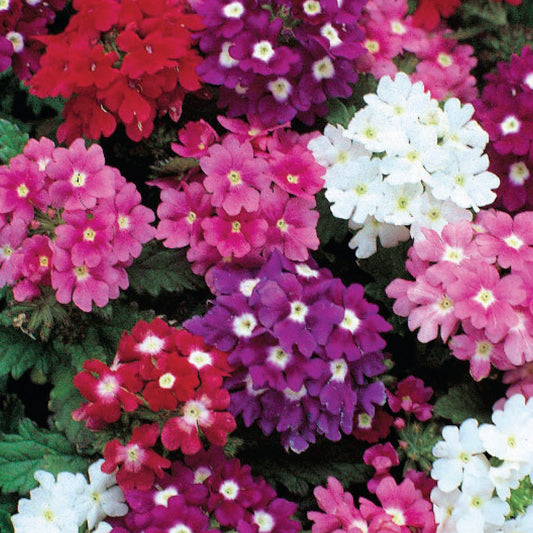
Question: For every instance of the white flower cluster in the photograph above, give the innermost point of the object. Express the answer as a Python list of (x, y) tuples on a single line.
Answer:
[(404, 161), (62, 506), (477, 468)]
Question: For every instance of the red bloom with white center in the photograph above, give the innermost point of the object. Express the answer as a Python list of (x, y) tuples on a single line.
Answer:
[(174, 381), (139, 463), (205, 411), (108, 392)]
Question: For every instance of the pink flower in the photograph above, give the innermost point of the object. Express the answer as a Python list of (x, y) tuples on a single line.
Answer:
[(411, 396), (81, 176), (382, 457), (196, 138), (40, 152), (235, 235), (292, 224), (11, 237), (234, 175), (181, 214), (480, 294)]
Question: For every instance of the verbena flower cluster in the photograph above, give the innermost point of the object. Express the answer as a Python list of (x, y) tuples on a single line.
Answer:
[(483, 473), (22, 22), (404, 162), (506, 113), (207, 493), (70, 222), (305, 348), (156, 369), (403, 507), (254, 194), (120, 62), (65, 504), (392, 38), (280, 59), (477, 276)]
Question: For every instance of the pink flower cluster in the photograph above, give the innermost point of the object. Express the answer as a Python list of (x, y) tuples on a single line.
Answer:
[(403, 508), (69, 221), (253, 193), (204, 489), (159, 369), (478, 276), (443, 64), (21, 22), (505, 111)]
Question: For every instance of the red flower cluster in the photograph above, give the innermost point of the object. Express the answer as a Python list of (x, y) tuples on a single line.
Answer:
[(120, 62), (157, 368), (20, 22)]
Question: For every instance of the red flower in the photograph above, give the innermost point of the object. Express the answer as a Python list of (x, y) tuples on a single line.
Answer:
[(429, 12), (411, 396), (140, 464)]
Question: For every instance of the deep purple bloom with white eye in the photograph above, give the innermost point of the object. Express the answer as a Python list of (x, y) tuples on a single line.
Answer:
[(280, 323)]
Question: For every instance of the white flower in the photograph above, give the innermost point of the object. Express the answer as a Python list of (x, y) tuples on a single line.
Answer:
[(401, 204), (364, 241), (334, 148), (355, 189), (465, 180), (435, 214), (460, 448), (507, 476), (103, 527), (462, 132), (443, 506), (521, 524), (511, 436), (102, 496)]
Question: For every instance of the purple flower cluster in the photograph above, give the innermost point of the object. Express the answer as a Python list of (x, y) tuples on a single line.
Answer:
[(304, 347), (280, 59), (21, 21), (505, 111), (208, 486)]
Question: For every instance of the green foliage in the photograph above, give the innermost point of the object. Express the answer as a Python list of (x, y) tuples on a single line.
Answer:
[(8, 507), (329, 227), (339, 113), (32, 449), (11, 411), (19, 353), (520, 499), (12, 140), (463, 401), (160, 269), (417, 441)]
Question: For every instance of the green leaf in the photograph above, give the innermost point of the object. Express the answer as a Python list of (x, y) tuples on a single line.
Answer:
[(329, 227), (8, 507), (12, 140), (463, 401), (64, 398), (11, 412), (339, 113), (160, 269), (34, 449), (19, 353)]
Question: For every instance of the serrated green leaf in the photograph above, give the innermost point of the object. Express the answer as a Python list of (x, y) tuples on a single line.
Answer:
[(11, 412), (19, 353), (339, 113), (34, 449), (12, 140), (64, 398), (463, 401), (160, 269)]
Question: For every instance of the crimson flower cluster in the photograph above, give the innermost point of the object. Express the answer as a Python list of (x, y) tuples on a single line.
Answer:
[(280, 59), (120, 62), (305, 348), (479, 277), (403, 507), (157, 369), (391, 35), (21, 22), (254, 194), (207, 493), (505, 111), (69, 221)]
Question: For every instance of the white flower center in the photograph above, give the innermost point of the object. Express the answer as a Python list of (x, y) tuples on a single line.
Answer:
[(323, 69), (224, 58), (298, 312), (371, 45), (397, 27), (485, 298), (444, 60), (193, 411), (279, 357), (247, 286), (162, 496), (22, 191), (264, 520), (518, 173), (397, 516), (263, 50), (229, 489), (312, 7), (280, 89), (4, 5), (17, 40), (294, 396), (166, 381), (151, 345), (331, 34), (199, 359), (244, 325), (123, 222), (81, 273), (454, 255), (528, 80), (350, 321), (201, 474), (234, 10), (338, 369), (306, 271), (510, 125), (513, 241), (483, 349), (180, 528)]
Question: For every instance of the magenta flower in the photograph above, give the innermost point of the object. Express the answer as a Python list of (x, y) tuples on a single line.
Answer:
[(411, 396), (81, 176), (11, 238), (234, 176), (196, 138), (235, 235)]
